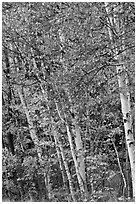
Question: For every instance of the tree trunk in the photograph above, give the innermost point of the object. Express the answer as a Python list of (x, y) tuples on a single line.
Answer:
[(58, 143), (124, 97), (79, 162), (79, 147), (7, 71), (79, 177), (61, 149), (30, 123), (34, 137), (80, 153), (80, 181), (59, 155), (120, 168)]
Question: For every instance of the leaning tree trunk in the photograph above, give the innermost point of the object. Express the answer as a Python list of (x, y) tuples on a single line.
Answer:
[(79, 161), (76, 162), (124, 94), (30, 123), (45, 96), (80, 153), (44, 93), (58, 144), (25, 108), (79, 145), (55, 135), (7, 72), (59, 155), (73, 152)]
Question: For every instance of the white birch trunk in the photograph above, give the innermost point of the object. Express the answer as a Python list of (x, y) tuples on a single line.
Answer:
[(80, 152), (58, 143), (44, 92), (78, 165), (125, 101), (79, 147), (79, 177)]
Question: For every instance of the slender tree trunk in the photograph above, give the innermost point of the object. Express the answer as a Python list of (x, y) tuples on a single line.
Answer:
[(79, 147), (79, 162), (57, 141), (44, 92), (79, 177), (7, 72), (80, 153), (33, 134), (59, 155), (45, 95), (120, 168), (73, 152), (127, 175), (124, 97), (80, 180), (30, 123), (47, 184)]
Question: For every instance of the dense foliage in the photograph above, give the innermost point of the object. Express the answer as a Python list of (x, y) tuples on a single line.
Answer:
[(58, 66)]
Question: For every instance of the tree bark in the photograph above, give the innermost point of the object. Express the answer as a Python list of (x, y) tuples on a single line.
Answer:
[(58, 153), (58, 143), (79, 177), (79, 161), (30, 123), (79, 147), (7, 71), (124, 96), (45, 96)]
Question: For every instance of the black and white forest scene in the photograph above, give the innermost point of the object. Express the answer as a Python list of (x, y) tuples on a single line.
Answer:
[(68, 101)]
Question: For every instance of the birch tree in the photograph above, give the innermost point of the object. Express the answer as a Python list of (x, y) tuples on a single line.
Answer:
[(59, 145), (79, 162), (79, 144), (113, 22)]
